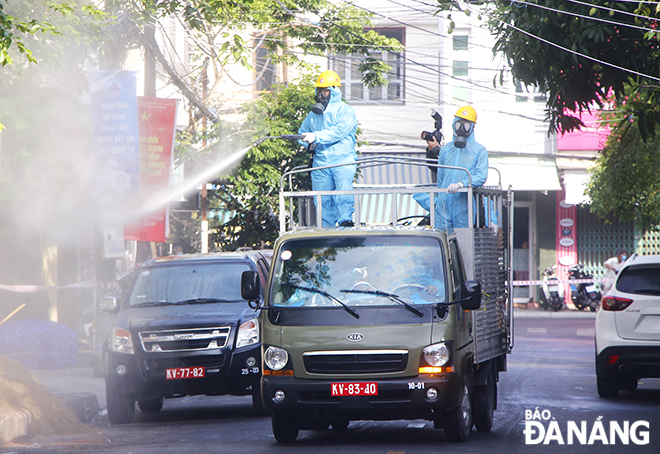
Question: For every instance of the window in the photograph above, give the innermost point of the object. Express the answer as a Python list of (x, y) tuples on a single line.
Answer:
[(460, 42), (347, 66), (460, 68), (265, 70), (461, 95)]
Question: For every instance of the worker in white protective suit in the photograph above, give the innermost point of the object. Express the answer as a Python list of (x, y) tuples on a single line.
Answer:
[(451, 209), (330, 130)]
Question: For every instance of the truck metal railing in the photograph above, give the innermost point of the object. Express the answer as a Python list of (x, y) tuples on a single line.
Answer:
[(485, 244), (304, 208)]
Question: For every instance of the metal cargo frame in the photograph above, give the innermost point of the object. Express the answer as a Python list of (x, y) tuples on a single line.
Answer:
[(486, 248)]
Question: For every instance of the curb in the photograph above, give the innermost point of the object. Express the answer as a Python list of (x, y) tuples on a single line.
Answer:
[(565, 313), (14, 424)]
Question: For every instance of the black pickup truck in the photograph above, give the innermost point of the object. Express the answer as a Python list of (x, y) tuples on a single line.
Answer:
[(182, 329)]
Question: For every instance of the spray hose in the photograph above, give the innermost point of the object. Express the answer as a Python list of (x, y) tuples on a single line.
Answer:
[(284, 137)]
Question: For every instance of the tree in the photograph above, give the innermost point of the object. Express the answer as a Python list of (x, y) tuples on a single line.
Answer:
[(625, 179), (581, 53), (226, 35)]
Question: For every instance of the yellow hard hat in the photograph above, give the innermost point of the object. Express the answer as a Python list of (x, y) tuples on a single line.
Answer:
[(468, 113), (328, 79)]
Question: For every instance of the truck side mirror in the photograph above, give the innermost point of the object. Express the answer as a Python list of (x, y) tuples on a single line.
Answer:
[(108, 304), (472, 299), (250, 288)]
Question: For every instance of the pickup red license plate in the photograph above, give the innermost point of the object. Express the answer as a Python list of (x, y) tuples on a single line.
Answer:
[(185, 372), (354, 389)]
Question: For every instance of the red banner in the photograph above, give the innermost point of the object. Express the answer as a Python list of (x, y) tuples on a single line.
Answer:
[(157, 126)]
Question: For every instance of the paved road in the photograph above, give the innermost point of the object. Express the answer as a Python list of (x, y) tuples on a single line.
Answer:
[(551, 370)]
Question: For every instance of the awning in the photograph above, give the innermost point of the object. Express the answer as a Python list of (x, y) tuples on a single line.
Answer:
[(524, 173)]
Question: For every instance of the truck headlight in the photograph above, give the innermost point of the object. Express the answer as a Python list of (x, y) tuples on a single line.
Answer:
[(248, 333), (436, 355), (122, 341), (276, 358)]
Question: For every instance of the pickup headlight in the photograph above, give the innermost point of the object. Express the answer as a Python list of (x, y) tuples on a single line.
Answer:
[(122, 341), (248, 333), (276, 358), (436, 355)]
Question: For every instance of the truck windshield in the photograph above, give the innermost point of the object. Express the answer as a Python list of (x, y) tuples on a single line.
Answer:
[(189, 284), (359, 272)]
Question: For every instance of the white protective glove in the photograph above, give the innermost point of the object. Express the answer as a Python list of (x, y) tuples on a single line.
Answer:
[(454, 187), (308, 137)]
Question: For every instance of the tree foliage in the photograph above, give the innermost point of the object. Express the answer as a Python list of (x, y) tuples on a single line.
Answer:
[(625, 179), (581, 53), (251, 192)]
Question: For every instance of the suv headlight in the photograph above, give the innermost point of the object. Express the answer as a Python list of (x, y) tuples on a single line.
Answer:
[(276, 358), (436, 355), (248, 333), (122, 341)]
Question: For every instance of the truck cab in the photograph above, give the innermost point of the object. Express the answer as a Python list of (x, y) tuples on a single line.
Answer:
[(384, 322)]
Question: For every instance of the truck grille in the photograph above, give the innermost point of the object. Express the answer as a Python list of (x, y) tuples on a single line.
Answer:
[(185, 339), (356, 361)]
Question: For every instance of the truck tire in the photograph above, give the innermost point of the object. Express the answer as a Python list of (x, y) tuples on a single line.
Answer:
[(483, 400), (458, 423), (121, 406), (257, 402), (285, 426), (150, 405)]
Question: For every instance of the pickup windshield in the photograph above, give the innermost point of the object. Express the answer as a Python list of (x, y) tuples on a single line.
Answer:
[(192, 283), (378, 271)]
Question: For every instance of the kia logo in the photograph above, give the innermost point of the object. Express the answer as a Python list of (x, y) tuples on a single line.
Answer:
[(354, 337)]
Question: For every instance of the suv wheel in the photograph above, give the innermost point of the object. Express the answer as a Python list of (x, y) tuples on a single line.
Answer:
[(257, 402), (150, 405), (607, 387), (121, 407)]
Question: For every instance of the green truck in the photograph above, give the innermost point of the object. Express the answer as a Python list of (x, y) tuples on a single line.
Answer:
[(390, 319)]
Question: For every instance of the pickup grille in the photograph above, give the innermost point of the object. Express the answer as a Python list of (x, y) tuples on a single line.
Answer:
[(356, 361), (185, 340)]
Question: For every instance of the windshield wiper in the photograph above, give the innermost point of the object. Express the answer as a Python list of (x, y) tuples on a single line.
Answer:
[(391, 296), (202, 301), (348, 309), (152, 303)]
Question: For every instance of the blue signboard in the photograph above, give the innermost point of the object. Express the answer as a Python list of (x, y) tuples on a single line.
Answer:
[(113, 98)]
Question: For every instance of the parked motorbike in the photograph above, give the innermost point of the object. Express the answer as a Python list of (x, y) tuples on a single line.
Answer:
[(553, 292), (586, 295)]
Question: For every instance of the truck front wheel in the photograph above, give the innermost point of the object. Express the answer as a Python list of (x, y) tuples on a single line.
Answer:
[(459, 420), (285, 426)]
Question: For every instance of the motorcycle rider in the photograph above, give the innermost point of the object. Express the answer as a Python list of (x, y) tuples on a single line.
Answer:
[(331, 126), (612, 267), (451, 210)]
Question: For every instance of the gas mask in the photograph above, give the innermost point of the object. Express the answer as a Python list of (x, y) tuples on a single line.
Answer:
[(321, 100), (462, 130)]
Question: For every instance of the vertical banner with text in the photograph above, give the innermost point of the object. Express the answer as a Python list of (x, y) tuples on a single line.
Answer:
[(113, 103), (157, 123), (566, 240)]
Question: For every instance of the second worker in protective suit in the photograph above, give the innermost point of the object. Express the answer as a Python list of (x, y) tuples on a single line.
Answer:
[(451, 209), (331, 126)]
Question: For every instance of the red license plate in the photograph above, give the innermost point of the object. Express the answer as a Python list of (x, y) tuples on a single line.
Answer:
[(185, 372), (355, 389)]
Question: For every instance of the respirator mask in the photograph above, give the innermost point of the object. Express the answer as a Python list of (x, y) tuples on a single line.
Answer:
[(321, 99), (462, 130)]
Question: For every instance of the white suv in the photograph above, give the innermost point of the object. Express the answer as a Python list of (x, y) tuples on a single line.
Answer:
[(628, 327)]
